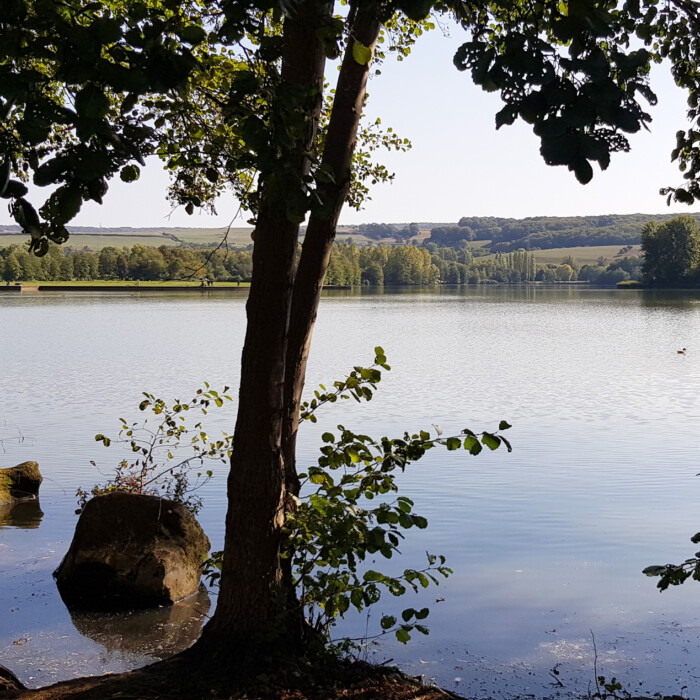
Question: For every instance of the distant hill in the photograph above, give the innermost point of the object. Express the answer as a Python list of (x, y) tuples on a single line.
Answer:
[(503, 234), (544, 232)]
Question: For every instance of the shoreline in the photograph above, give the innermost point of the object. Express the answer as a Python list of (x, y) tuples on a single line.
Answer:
[(34, 288)]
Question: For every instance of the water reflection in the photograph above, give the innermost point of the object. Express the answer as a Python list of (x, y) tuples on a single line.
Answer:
[(25, 514), (158, 633)]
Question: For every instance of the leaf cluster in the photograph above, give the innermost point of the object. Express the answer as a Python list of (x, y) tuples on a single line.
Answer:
[(349, 512), (676, 574), (360, 385), (90, 89), (71, 76), (567, 69), (157, 465)]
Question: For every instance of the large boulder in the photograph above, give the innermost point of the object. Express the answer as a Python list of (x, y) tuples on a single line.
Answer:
[(131, 552), (20, 483)]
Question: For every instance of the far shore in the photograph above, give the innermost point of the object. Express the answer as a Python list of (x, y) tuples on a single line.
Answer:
[(131, 286)]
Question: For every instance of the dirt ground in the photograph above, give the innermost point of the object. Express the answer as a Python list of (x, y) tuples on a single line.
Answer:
[(176, 681)]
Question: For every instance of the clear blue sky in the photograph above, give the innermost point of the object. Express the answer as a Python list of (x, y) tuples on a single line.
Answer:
[(459, 165)]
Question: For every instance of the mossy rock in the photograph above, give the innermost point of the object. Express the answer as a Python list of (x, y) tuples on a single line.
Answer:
[(20, 483)]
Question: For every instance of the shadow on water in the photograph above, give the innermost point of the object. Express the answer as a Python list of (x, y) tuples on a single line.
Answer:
[(158, 633), (26, 515)]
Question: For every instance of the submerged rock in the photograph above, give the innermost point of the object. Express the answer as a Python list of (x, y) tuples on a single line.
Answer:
[(130, 552), (20, 483)]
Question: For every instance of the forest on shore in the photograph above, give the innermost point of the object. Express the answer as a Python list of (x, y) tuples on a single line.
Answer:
[(350, 265), (661, 251)]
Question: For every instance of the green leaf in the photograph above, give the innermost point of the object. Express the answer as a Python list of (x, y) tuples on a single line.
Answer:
[(472, 444), (193, 34), (583, 170), (14, 189), (361, 54), (416, 10), (343, 604), (402, 634), (373, 576), (91, 102), (129, 173), (387, 622), (453, 443), (491, 441), (504, 425), (407, 614)]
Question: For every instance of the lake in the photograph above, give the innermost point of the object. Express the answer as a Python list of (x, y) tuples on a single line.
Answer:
[(547, 543)]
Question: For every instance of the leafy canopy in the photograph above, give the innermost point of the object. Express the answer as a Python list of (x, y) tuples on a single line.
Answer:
[(89, 89)]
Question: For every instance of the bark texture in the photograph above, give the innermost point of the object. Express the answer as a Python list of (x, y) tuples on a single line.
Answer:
[(320, 233), (251, 595)]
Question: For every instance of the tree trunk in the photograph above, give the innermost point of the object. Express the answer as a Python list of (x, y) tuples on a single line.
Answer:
[(251, 595), (320, 233)]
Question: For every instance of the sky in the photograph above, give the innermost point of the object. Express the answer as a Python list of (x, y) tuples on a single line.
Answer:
[(459, 164)]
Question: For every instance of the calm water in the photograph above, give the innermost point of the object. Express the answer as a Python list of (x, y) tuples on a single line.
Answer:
[(547, 543)]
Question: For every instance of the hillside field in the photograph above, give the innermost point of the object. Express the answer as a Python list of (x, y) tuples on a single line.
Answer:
[(586, 255), (96, 239)]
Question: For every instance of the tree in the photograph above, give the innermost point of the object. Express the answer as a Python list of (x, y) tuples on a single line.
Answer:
[(671, 252), (564, 272), (12, 269), (229, 94)]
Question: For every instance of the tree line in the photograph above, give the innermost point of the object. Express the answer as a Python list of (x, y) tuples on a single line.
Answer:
[(349, 265), (415, 265), (138, 262)]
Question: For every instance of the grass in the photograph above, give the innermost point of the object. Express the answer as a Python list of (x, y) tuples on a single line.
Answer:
[(586, 255), (239, 237), (101, 238), (582, 254)]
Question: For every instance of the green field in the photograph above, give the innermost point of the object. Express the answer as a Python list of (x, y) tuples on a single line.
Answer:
[(582, 254), (586, 255), (126, 238), (239, 237)]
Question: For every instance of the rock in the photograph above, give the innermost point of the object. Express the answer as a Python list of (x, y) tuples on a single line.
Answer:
[(131, 552), (20, 483), (10, 685)]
